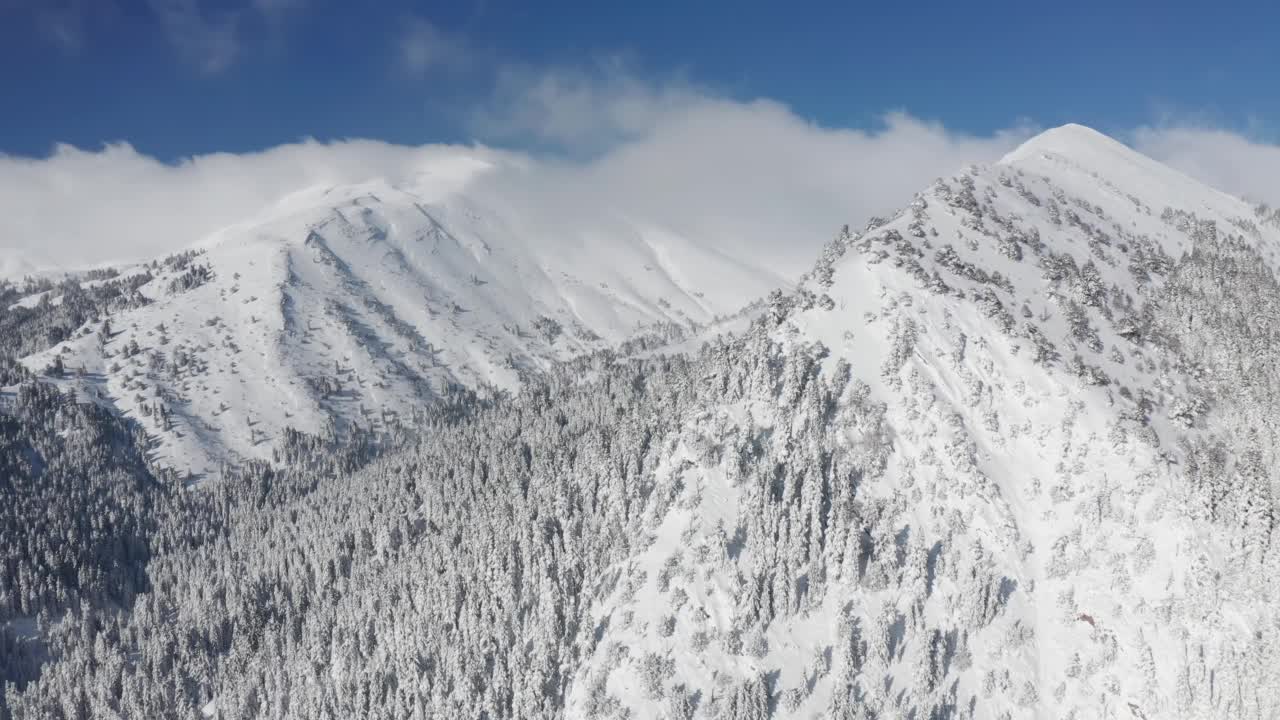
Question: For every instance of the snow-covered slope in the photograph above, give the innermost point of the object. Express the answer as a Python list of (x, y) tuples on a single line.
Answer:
[(357, 304), (1048, 514), (1011, 454)]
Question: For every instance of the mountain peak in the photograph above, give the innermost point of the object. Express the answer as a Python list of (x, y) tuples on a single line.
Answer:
[(1079, 156), (1073, 141)]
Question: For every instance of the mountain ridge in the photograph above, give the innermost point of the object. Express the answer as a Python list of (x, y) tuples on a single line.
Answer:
[(1011, 453), (380, 295)]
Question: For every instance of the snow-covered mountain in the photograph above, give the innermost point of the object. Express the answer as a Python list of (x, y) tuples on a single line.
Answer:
[(358, 304), (1011, 453), (1038, 499)]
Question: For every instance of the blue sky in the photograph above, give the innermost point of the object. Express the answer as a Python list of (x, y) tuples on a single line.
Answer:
[(184, 77)]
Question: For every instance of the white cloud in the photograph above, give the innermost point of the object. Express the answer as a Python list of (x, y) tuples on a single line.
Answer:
[(206, 33), (1228, 161), (425, 47), (580, 109), (210, 42), (275, 7), (78, 208), (210, 35), (748, 177), (64, 26), (752, 178), (63, 23), (743, 177)]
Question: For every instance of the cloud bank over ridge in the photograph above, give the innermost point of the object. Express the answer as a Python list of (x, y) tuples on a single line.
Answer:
[(747, 176), (753, 175)]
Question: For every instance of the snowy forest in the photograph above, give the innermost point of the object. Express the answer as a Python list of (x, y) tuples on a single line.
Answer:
[(1009, 453)]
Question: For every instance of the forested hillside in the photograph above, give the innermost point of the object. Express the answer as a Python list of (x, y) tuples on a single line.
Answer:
[(1008, 454)]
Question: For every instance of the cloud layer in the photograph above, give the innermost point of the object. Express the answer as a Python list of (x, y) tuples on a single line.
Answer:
[(211, 43), (208, 35), (751, 177), (425, 47), (745, 177), (79, 208), (1228, 161)]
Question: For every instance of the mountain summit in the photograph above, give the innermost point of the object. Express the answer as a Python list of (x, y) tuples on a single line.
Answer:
[(1078, 154), (1073, 140)]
